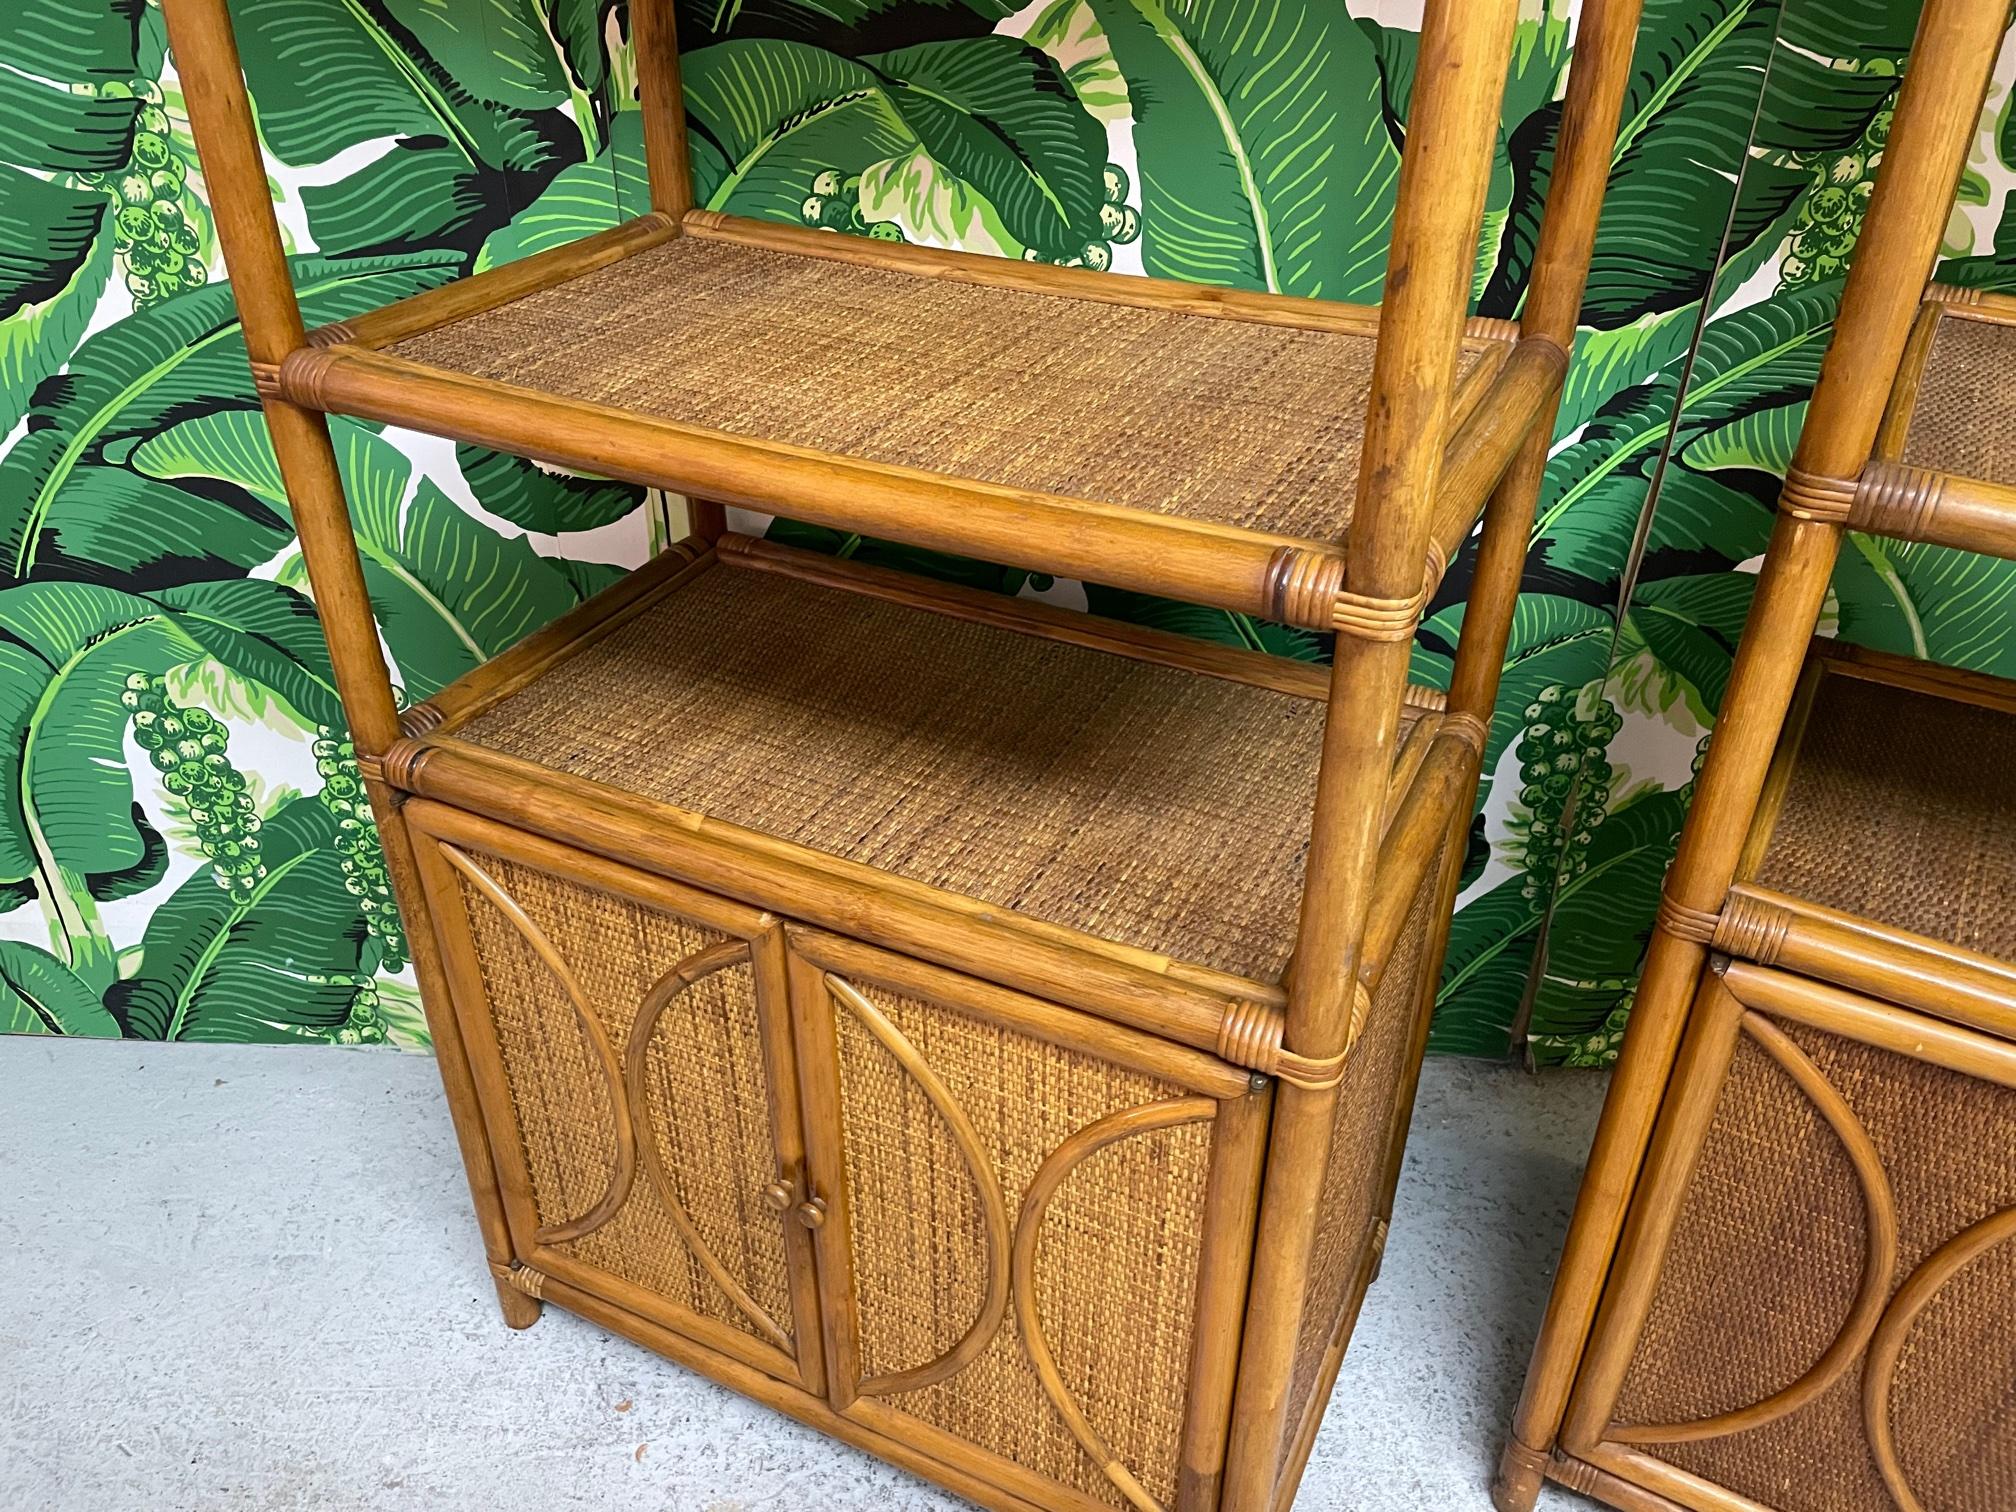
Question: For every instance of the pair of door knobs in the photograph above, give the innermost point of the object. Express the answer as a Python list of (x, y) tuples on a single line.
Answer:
[(783, 1197)]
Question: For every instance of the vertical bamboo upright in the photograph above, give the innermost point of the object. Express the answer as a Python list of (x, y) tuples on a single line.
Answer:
[(1688, 1012), (706, 1037)]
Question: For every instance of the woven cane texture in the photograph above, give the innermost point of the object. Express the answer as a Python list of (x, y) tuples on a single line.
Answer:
[(1115, 1276), (1901, 809), (1962, 420), (1765, 1262), (706, 1099), (1139, 804), (1360, 1142), (1953, 1406), (1209, 418)]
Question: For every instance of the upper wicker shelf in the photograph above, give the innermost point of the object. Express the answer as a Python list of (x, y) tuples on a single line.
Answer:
[(1192, 442)]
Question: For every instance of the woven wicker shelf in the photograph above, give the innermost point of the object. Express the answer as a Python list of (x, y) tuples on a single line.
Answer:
[(1082, 399), (1894, 805), (1140, 804), (1094, 427), (1956, 410)]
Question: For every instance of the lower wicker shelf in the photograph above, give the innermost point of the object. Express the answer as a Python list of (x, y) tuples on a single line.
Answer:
[(1809, 1310), (1138, 804), (1891, 800), (897, 1054)]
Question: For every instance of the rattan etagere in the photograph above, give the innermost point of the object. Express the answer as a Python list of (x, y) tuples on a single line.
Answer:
[(983, 1032), (1789, 1279)]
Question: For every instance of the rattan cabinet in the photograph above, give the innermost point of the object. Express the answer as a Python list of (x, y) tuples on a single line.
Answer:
[(1790, 1277), (981, 1031), (934, 1203), (1810, 1307)]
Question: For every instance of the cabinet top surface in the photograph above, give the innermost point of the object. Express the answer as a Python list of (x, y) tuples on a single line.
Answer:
[(1137, 803)]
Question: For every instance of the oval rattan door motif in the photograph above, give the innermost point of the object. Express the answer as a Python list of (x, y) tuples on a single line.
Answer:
[(631, 1047), (975, 1258), (1832, 1286)]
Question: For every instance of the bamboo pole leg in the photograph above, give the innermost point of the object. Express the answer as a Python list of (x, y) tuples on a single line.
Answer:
[(520, 1311), (220, 114), (666, 159), (307, 461), (1465, 51), (1605, 41), (451, 1055), (314, 485), (707, 519), (315, 488), (1790, 593)]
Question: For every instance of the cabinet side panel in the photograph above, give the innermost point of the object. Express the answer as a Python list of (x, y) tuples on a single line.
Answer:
[(1359, 1149)]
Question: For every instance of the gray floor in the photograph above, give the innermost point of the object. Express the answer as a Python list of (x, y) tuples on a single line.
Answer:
[(245, 1278)]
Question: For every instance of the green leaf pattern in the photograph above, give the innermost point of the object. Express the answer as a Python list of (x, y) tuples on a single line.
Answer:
[(147, 548)]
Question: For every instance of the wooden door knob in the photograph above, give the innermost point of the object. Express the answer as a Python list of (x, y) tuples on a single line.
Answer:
[(812, 1214), (779, 1196)]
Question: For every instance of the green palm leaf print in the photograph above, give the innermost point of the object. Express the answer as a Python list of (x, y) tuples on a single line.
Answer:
[(1265, 160), (282, 959)]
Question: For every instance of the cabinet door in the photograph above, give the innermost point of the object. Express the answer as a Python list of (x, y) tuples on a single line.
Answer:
[(1033, 1229), (631, 1044), (1810, 1308)]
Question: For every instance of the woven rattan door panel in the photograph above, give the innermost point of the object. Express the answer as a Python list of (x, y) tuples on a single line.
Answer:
[(631, 1046), (1812, 1306), (1016, 1250)]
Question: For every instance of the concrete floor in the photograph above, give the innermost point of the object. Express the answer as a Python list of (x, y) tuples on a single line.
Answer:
[(246, 1279)]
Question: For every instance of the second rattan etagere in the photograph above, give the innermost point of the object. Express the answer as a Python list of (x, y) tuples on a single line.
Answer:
[(1790, 1274), (982, 1032)]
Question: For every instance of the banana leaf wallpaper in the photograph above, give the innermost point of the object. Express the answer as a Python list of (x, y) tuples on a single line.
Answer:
[(184, 851)]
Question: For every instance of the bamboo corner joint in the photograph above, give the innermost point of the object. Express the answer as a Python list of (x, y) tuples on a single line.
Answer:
[(702, 1042), (1788, 1274)]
